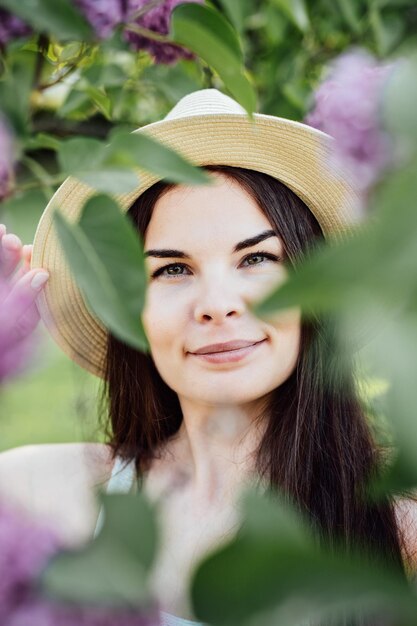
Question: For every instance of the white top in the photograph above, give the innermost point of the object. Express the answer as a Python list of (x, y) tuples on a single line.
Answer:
[(121, 481)]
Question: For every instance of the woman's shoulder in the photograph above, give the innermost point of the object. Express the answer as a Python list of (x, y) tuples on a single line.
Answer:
[(406, 515), (49, 460), (56, 482)]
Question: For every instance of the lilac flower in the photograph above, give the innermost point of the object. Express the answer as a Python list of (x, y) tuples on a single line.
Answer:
[(25, 549), (347, 106), (156, 19), (11, 27), (103, 15), (18, 317), (7, 158)]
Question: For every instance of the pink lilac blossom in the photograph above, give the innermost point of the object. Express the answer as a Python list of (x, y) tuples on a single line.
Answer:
[(157, 19), (11, 27), (347, 107), (25, 549), (6, 159)]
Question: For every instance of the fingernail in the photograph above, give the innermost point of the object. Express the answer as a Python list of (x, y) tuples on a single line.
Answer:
[(38, 280)]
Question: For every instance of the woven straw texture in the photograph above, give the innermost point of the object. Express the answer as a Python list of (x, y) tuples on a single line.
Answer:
[(208, 128)]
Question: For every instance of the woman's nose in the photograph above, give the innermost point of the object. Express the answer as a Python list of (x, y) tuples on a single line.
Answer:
[(216, 302)]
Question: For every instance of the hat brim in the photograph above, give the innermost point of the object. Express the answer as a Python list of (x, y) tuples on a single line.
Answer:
[(292, 152)]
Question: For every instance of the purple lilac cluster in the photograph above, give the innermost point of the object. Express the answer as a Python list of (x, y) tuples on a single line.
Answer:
[(103, 15), (157, 19), (347, 107), (11, 27), (6, 159), (25, 549)]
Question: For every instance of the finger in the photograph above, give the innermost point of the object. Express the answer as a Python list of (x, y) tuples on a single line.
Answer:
[(25, 267), (27, 254), (10, 253), (21, 329), (18, 301)]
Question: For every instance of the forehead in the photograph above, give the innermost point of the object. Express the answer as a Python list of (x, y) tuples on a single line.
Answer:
[(223, 212)]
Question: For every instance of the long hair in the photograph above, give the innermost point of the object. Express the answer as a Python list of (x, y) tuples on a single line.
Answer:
[(317, 447)]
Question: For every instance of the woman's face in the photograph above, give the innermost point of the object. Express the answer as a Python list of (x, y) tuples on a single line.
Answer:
[(204, 272)]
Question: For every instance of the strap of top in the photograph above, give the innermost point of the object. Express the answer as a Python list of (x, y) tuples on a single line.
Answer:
[(122, 480)]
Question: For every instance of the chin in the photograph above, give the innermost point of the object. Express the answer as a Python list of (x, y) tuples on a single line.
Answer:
[(225, 395)]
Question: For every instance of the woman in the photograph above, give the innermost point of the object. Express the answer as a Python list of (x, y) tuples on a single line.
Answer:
[(224, 398)]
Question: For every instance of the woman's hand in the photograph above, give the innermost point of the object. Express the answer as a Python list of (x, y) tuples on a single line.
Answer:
[(19, 288)]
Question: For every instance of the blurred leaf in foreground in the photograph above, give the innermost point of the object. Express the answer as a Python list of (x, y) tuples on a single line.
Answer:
[(111, 167), (56, 17), (112, 569), (274, 573), (375, 265), (104, 252)]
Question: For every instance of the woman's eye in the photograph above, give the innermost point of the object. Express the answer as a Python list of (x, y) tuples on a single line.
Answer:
[(174, 270), (171, 270), (257, 258)]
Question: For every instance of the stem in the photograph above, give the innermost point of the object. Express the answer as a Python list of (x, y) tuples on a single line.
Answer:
[(208, 76), (69, 71), (44, 179), (43, 43), (150, 34), (36, 184), (73, 66)]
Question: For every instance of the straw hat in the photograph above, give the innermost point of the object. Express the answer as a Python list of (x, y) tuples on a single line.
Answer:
[(206, 127)]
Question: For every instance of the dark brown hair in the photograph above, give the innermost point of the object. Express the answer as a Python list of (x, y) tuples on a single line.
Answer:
[(317, 447)]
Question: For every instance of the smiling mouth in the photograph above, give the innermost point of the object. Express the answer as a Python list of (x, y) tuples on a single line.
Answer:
[(231, 355)]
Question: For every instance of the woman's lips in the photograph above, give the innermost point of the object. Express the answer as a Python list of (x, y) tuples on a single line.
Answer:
[(229, 356)]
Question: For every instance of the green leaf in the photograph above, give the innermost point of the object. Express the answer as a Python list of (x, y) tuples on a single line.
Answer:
[(392, 355), (81, 153), (237, 10), (205, 32), (270, 574), (377, 264), (101, 100), (42, 141), (15, 89), (112, 569), (400, 96), (296, 12), (214, 24), (87, 159), (57, 17), (348, 10), (76, 105), (105, 255), (140, 150), (109, 179)]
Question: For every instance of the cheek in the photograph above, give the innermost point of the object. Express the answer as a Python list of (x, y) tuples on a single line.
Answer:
[(287, 330), (161, 318)]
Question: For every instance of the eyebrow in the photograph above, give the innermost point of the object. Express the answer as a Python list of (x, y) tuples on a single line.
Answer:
[(179, 254)]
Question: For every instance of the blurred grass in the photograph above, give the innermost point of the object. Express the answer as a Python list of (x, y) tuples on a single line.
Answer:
[(54, 401)]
